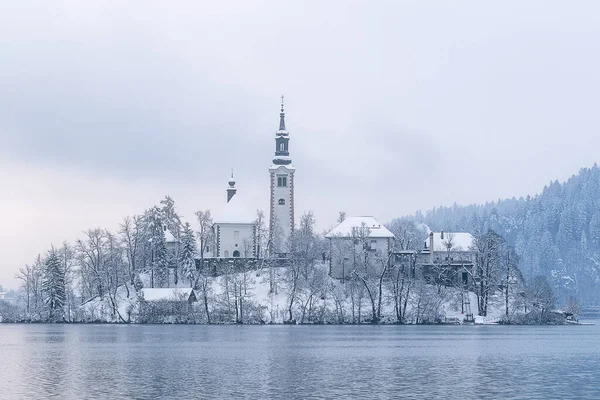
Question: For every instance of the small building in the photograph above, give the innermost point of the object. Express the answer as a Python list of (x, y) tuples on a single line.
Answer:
[(166, 305), (359, 243), (448, 258), (8, 297), (168, 294), (235, 228)]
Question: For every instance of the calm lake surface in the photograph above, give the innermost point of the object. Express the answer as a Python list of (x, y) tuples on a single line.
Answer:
[(257, 362)]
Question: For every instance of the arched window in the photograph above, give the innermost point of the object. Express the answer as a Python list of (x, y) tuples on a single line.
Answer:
[(226, 254), (236, 253), (281, 202), (281, 146)]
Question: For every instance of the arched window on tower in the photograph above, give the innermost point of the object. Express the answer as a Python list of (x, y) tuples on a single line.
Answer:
[(281, 146), (226, 254), (281, 202)]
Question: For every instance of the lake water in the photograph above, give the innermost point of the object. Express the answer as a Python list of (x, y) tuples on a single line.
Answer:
[(258, 362)]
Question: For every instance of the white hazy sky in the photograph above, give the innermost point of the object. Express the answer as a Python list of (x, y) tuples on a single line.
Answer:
[(105, 107)]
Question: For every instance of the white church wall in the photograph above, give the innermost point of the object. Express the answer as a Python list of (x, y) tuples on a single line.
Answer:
[(235, 237), (282, 200)]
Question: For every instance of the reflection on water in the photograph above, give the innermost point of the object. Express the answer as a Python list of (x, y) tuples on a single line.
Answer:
[(147, 362)]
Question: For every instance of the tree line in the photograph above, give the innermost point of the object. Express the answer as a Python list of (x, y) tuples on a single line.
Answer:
[(555, 234), (114, 266)]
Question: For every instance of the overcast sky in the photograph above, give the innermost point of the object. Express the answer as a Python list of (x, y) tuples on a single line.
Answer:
[(391, 107)]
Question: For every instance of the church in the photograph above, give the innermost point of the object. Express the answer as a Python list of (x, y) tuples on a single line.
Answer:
[(234, 226)]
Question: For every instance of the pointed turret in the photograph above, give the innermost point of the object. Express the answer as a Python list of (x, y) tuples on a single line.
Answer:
[(282, 154), (231, 190), (282, 118)]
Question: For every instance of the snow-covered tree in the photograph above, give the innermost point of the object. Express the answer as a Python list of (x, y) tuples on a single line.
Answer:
[(160, 261), (169, 217), (541, 296), (304, 252), (188, 253), (53, 286), (31, 277), (132, 238), (205, 232)]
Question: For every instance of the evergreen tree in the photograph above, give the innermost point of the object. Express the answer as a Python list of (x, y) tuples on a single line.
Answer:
[(160, 262), (555, 234), (53, 286), (188, 252)]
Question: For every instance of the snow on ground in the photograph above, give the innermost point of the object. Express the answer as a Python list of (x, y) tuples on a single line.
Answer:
[(110, 308), (156, 294), (275, 305)]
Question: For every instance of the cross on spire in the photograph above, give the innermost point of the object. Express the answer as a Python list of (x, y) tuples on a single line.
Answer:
[(282, 117)]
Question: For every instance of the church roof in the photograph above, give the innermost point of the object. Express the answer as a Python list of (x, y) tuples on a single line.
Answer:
[(169, 238), (376, 229), (235, 212), (458, 241)]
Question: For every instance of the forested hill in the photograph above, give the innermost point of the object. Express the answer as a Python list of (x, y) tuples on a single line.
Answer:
[(556, 233)]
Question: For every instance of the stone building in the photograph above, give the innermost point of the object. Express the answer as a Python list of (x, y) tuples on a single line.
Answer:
[(359, 244)]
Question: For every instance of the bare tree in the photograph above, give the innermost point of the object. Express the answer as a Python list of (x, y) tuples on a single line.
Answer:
[(304, 250), (261, 235), (407, 235), (373, 269), (205, 233), (489, 249), (374, 284), (542, 298), (31, 287), (90, 256), (131, 236)]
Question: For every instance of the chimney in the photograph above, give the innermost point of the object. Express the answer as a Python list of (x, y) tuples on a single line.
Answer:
[(231, 190), (431, 247)]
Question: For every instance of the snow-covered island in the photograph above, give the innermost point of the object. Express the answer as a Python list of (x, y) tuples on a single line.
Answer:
[(237, 267), (360, 272)]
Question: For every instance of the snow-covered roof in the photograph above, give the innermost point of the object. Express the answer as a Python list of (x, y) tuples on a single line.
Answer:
[(158, 294), (459, 241), (235, 212), (169, 237), (275, 167), (376, 229)]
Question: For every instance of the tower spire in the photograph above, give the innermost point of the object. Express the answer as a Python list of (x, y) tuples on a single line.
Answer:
[(231, 190), (282, 117)]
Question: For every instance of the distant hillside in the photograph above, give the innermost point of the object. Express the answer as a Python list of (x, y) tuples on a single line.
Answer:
[(556, 234)]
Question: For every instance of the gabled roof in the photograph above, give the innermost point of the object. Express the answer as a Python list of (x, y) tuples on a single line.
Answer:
[(169, 238), (235, 212), (459, 241), (376, 229), (169, 294)]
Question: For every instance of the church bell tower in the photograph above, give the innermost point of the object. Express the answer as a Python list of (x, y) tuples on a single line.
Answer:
[(281, 223)]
